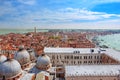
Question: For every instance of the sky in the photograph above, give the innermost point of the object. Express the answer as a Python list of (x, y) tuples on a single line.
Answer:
[(60, 14)]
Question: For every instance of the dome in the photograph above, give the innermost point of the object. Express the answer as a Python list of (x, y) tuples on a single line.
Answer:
[(10, 68), (2, 58), (22, 56), (43, 61)]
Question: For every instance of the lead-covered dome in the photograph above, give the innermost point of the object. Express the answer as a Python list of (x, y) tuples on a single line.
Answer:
[(10, 68), (2, 58), (43, 62), (22, 56)]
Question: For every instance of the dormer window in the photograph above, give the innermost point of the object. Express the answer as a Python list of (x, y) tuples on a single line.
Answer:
[(76, 52)]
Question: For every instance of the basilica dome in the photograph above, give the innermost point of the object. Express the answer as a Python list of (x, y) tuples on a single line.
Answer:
[(2, 58), (10, 68), (22, 56), (43, 62)]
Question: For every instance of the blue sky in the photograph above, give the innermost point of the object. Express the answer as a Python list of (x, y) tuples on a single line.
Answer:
[(60, 14)]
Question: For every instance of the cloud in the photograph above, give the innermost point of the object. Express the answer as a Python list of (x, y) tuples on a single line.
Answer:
[(66, 18), (6, 8), (106, 24), (69, 17), (28, 2)]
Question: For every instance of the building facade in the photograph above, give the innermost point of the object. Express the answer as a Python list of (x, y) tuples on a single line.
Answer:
[(86, 63), (92, 72), (75, 59), (79, 56)]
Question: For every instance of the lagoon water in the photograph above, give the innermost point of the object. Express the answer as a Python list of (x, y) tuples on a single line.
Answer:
[(6, 31), (112, 41)]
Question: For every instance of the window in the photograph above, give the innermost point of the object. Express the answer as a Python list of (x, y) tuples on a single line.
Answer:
[(76, 57), (57, 56), (97, 61), (85, 57), (89, 57), (76, 52), (78, 62), (74, 62), (91, 62), (67, 57), (85, 61), (60, 56), (94, 61), (97, 57), (88, 61), (71, 57)]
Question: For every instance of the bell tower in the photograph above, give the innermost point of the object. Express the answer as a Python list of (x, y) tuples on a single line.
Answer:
[(35, 30)]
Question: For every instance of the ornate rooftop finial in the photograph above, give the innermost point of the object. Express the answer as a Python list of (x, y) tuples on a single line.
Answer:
[(8, 56), (21, 47), (42, 54)]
